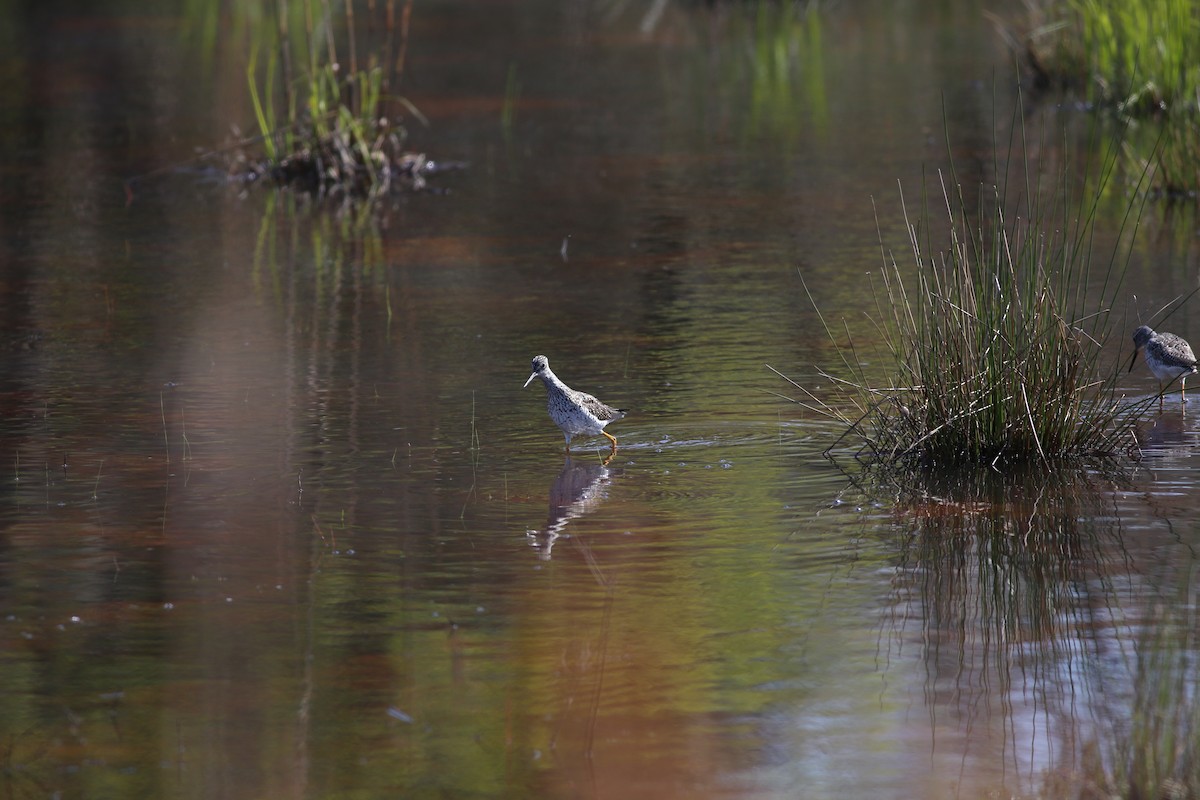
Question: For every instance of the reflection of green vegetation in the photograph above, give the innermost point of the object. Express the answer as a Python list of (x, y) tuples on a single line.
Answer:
[(1152, 747), (333, 240), (998, 564), (1161, 750), (997, 351), (1174, 153), (785, 53), (777, 62), (512, 94)]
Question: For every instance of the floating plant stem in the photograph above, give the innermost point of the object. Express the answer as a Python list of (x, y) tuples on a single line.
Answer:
[(166, 439)]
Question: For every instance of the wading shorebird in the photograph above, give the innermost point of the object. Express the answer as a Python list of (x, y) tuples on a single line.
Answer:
[(1168, 357), (575, 413)]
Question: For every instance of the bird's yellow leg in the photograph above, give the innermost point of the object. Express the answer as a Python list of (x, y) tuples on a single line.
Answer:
[(611, 438)]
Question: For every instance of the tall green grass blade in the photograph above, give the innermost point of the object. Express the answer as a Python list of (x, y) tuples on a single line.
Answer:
[(260, 112)]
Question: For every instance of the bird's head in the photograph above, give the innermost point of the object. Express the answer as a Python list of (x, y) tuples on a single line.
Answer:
[(1140, 336), (541, 365)]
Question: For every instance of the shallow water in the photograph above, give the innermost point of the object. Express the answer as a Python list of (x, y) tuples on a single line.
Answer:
[(281, 521)]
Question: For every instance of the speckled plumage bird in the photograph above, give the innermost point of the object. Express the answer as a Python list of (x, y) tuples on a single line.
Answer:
[(575, 413), (1168, 357)]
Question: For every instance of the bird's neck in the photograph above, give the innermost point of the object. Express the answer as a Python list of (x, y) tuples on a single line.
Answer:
[(550, 379)]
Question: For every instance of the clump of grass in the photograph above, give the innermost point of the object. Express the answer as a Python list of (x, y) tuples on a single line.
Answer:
[(331, 128), (997, 337)]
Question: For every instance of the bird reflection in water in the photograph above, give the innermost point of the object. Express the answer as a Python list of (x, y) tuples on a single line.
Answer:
[(581, 486)]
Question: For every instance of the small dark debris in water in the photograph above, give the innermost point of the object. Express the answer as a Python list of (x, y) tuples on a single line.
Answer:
[(1173, 194), (22, 341)]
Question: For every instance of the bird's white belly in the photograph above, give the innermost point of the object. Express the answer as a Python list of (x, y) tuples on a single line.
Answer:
[(1169, 372), (573, 420)]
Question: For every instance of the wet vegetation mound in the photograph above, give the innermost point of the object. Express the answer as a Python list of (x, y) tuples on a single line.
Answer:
[(997, 328), (326, 128), (366, 162)]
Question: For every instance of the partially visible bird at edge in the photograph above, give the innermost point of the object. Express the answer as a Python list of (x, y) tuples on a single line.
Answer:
[(1168, 356), (575, 413)]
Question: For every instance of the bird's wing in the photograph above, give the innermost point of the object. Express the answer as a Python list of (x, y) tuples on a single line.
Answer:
[(1179, 346), (598, 409)]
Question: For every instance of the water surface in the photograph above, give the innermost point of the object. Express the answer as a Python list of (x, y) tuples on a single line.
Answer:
[(280, 520)]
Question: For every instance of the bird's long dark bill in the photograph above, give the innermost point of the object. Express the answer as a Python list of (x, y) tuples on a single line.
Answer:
[(534, 375), (1132, 361)]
